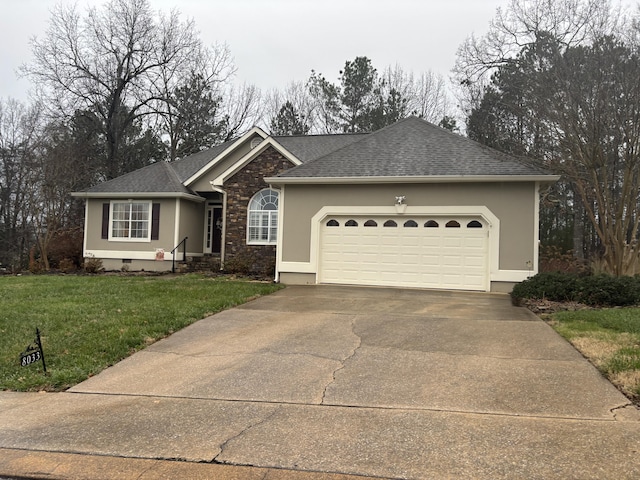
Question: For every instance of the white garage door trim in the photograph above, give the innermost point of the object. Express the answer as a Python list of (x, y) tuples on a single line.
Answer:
[(443, 252)]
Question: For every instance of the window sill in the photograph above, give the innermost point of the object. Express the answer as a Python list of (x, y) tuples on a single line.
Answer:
[(131, 240)]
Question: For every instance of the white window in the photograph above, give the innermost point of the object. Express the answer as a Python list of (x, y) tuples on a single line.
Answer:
[(130, 221), (262, 228)]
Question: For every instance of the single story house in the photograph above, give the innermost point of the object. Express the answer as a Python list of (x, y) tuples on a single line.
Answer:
[(410, 205)]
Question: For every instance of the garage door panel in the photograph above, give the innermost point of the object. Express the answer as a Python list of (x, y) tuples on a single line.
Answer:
[(451, 258), (451, 261)]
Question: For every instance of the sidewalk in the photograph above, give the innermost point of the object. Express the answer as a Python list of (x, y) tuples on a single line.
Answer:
[(69, 466)]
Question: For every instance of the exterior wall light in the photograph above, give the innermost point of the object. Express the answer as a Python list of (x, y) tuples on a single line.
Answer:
[(401, 203)]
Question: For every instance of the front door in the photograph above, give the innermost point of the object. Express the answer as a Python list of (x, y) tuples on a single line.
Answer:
[(213, 229)]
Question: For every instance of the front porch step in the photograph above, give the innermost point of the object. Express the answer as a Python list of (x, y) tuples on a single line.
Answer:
[(207, 263)]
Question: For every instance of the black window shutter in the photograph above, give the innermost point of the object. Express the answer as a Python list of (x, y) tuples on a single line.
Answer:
[(105, 220), (155, 222)]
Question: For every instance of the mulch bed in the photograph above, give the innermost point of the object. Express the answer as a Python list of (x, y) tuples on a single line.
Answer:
[(544, 307)]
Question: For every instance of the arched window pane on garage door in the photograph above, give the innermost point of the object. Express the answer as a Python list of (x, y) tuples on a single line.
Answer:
[(263, 218), (431, 224), (351, 223), (390, 223), (452, 224), (410, 223), (474, 224), (333, 223)]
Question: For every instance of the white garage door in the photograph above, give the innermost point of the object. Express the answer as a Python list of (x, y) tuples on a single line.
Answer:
[(427, 252)]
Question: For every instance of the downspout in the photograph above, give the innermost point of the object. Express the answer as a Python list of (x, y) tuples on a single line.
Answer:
[(176, 225), (86, 227), (280, 231), (536, 229)]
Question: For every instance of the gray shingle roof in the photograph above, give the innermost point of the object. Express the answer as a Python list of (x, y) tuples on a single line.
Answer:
[(411, 148), (188, 166), (309, 147), (155, 178), (166, 177), (408, 148), (161, 177)]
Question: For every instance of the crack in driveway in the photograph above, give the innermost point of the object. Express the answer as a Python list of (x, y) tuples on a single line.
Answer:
[(344, 360), (224, 444)]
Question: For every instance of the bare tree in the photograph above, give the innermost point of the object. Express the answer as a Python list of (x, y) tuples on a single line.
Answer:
[(571, 22), (241, 109), (190, 92), (595, 109), (427, 94), (296, 95), (110, 61), (569, 98), (19, 140)]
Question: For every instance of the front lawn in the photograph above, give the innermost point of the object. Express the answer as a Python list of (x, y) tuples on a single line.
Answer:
[(610, 339), (88, 323)]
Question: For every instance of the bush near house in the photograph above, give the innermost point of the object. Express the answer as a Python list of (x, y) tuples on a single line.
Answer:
[(594, 290)]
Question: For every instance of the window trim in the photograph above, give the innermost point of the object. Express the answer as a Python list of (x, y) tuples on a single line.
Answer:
[(149, 221), (272, 213)]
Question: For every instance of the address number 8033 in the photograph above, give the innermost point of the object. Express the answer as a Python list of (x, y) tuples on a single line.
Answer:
[(30, 358)]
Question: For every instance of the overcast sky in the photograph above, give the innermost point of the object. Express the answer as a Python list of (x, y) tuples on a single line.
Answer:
[(276, 41)]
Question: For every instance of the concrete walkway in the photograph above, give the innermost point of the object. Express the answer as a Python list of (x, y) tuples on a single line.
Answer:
[(323, 382)]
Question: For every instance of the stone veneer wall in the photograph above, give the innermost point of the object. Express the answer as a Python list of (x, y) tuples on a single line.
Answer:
[(240, 188)]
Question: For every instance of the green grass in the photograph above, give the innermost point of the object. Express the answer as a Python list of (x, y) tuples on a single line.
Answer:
[(88, 323), (610, 338)]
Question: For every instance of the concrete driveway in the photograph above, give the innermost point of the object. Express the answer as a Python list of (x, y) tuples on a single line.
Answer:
[(377, 382)]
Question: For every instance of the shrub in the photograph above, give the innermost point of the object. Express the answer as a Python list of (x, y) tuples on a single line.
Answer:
[(608, 291), (35, 264), (242, 263), (66, 245), (556, 286), (67, 265), (554, 259), (93, 265), (596, 290)]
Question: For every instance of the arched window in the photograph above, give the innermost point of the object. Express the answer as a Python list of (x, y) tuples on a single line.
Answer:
[(390, 223), (351, 223), (410, 223), (452, 224), (370, 223), (431, 224), (333, 223), (474, 224), (263, 218)]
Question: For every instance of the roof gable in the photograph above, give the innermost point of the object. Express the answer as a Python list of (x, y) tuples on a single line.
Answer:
[(255, 152), (224, 154), (189, 165)]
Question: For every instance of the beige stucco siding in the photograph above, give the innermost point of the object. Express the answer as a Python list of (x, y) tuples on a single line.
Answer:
[(93, 228), (513, 203), (192, 225)]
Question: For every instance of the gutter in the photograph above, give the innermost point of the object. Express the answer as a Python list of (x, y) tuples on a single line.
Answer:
[(413, 179)]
